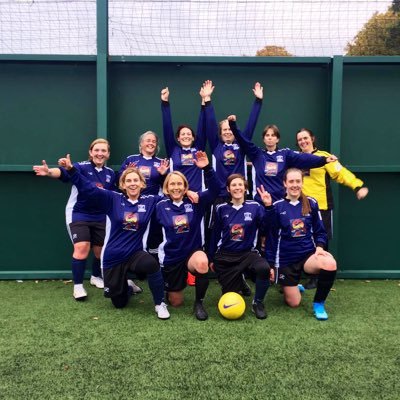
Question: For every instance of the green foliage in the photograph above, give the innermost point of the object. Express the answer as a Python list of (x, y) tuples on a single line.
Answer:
[(271, 51), (379, 36), (52, 347)]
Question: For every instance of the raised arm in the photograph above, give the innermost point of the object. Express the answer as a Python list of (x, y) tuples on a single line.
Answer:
[(258, 91), (201, 136), (168, 130), (211, 123), (85, 187), (251, 150), (213, 183)]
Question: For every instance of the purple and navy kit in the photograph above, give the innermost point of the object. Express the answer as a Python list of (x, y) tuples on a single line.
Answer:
[(183, 223), (235, 227), (82, 208), (269, 166), (127, 221), (228, 158), (297, 235), (148, 167), (181, 159)]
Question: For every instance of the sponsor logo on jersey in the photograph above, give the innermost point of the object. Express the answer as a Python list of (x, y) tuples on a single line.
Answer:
[(145, 171), (187, 159), (237, 232), (298, 227), (271, 169), (131, 221), (229, 157), (180, 223)]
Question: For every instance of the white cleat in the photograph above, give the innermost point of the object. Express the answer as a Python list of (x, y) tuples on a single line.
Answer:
[(97, 281), (135, 288), (80, 293), (162, 311)]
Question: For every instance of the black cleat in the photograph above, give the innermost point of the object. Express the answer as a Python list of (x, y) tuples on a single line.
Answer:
[(312, 283), (199, 311), (259, 310)]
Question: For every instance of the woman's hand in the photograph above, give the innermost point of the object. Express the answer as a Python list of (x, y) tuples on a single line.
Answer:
[(193, 196), (165, 94), (42, 170), (258, 90), (265, 196), (65, 162), (201, 159), (362, 193), (163, 168)]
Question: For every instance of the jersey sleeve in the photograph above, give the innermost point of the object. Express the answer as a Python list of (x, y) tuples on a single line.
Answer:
[(342, 175), (86, 188), (215, 235), (213, 184), (253, 118), (251, 150), (168, 130), (211, 126), (201, 138), (304, 160)]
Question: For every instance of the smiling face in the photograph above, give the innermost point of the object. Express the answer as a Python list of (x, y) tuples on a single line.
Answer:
[(305, 141), (225, 132), (293, 184), (148, 145), (237, 188), (99, 154), (185, 137), (270, 139), (175, 186), (132, 183)]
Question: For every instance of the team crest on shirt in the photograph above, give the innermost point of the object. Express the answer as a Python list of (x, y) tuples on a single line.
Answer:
[(247, 216), (180, 223), (156, 164), (188, 208), (279, 158), (141, 207), (298, 227), (108, 178), (187, 159), (237, 232), (145, 171), (229, 157), (271, 169)]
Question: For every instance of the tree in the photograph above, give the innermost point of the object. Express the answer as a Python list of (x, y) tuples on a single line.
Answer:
[(270, 51), (379, 36)]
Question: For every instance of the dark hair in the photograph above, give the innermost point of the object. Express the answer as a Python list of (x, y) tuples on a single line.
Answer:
[(274, 128), (305, 203), (312, 136), (237, 176), (178, 131)]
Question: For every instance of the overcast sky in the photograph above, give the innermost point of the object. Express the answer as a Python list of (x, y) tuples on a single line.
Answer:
[(197, 27)]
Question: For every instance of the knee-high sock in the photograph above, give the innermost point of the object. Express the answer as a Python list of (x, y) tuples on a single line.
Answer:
[(96, 270), (262, 286), (78, 270), (201, 286), (325, 282), (156, 285)]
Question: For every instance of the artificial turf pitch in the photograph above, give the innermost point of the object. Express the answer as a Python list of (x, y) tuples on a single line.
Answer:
[(52, 347)]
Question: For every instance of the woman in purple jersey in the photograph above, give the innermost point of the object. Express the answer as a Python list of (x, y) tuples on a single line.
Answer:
[(128, 218), (235, 235), (300, 242), (182, 248), (85, 223), (148, 164)]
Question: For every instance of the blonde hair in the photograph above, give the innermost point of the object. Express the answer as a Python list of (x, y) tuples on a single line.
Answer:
[(97, 141), (168, 178), (147, 133), (129, 171)]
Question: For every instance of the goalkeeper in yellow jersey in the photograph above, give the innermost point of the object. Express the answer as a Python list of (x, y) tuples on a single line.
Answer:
[(317, 182)]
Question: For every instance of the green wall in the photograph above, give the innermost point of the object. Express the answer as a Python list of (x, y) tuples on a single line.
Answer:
[(49, 106)]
